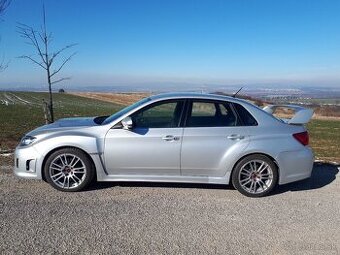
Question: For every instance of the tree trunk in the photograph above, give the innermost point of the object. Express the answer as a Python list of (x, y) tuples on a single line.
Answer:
[(50, 96), (46, 112)]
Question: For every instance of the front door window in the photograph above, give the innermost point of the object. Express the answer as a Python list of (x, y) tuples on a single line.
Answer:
[(159, 115)]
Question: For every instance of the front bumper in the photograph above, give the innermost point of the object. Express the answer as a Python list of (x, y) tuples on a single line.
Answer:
[(27, 162), (295, 165)]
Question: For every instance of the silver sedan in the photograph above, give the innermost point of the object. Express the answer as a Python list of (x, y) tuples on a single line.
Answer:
[(177, 137)]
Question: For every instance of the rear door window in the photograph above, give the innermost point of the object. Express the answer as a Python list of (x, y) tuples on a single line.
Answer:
[(246, 118), (211, 114)]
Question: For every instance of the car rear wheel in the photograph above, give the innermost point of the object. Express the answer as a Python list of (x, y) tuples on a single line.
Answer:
[(255, 175), (69, 169)]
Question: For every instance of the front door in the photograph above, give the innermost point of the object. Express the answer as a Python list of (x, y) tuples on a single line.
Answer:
[(152, 146)]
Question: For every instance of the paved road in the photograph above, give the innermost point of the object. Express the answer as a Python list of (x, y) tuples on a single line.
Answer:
[(300, 218)]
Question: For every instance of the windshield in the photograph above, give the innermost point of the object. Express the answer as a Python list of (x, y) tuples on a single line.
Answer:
[(125, 110)]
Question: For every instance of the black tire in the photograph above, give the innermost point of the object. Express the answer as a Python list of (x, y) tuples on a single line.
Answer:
[(243, 189), (85, 165)]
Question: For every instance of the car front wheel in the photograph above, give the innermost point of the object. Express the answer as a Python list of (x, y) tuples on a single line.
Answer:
[(255, 175), (69, 169)]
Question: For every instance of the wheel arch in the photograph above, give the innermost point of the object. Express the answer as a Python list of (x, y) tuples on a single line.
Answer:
[(60, 148), (257, 153)]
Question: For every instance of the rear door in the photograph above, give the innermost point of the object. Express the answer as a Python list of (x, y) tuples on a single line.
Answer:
[(212, 131)]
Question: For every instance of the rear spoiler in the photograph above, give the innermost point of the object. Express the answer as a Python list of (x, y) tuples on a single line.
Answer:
[(301, 116)]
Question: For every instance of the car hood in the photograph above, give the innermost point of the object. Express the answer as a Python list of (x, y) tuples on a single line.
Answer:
[(65, 124)]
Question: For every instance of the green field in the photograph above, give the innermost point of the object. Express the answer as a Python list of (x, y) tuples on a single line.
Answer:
[(19, 117), (325, 139), (25, 112)]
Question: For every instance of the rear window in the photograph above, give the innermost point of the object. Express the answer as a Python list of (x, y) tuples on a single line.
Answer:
[(246, 118)]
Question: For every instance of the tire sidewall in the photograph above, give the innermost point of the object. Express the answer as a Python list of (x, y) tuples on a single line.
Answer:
[(84, 157), (237, 169)]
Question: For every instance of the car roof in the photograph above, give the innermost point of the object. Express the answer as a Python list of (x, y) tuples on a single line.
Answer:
[(175, 95)]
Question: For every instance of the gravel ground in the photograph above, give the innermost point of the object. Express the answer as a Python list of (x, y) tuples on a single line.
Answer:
[(139, 218)]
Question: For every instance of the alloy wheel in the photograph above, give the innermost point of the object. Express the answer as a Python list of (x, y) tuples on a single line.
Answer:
[(67, 171), (256, 176)]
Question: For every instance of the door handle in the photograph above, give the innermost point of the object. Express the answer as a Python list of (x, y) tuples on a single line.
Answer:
[(170, 138), (235, 137)]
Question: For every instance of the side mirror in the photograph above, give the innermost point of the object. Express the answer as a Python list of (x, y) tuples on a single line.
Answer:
[(127, 123)]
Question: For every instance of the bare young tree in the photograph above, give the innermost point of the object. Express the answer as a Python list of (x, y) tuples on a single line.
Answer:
[(40, 40), (3, 6), (3, 64)]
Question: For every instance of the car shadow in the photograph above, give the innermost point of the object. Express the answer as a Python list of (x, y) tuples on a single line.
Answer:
[(322, 175), (170, 185)]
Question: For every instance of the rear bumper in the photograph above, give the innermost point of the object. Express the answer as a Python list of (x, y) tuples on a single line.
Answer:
[(26, 161), (295, 165)]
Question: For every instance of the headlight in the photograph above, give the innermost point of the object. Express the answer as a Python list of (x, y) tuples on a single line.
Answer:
[(27, 140)]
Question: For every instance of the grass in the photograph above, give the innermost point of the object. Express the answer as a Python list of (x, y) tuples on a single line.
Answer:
[(325, 139), (18, 118)]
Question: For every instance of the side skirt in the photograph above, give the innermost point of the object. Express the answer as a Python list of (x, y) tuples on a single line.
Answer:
[(165, 178)]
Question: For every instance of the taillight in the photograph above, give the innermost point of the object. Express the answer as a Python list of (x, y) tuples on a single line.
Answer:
[(302, 137)]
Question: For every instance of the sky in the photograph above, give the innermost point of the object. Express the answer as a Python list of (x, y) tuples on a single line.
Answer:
[(141, 42)]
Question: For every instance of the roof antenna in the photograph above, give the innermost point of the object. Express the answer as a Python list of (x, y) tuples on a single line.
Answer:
[(234, 95)]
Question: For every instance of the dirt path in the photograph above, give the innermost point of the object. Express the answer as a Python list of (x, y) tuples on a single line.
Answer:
[(19, 99), (161, 218), (118, 98)]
